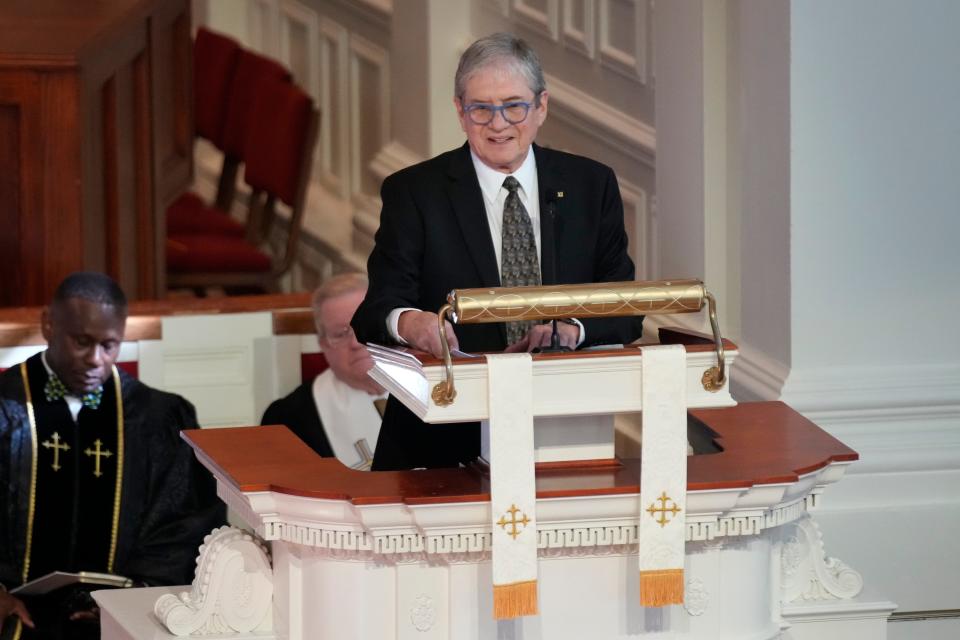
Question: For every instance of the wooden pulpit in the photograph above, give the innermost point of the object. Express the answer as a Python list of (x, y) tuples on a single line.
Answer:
[(407, 554)]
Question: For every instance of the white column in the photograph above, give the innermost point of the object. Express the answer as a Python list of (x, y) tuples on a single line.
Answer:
[(835, 160), (698, 205), (428, 37)]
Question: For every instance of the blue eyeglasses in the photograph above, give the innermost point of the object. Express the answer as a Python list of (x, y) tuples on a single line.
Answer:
[(512, 112)]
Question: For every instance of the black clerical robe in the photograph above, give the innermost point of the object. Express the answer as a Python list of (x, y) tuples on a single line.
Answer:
[(298, 411), (127, 496)]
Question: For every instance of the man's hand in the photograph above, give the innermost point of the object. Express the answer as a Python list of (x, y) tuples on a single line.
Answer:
[(10, 605), (421, 331), (539, 336), (91, 615)]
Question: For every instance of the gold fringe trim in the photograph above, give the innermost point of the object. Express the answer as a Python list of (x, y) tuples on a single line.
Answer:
[(515, 600), (32, 504), (661, 587), (118, 488)]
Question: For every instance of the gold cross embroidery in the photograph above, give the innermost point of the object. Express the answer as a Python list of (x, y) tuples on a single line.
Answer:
[(97, 453), (513, 522), (662, 509), (57, 447)]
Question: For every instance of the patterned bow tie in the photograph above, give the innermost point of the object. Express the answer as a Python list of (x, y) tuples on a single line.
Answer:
[(55, 389)]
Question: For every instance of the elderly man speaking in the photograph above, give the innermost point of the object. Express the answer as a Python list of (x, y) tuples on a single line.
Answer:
[(472, 217)]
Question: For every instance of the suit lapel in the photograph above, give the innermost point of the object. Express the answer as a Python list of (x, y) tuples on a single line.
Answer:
[(467, 200), (550, 179)]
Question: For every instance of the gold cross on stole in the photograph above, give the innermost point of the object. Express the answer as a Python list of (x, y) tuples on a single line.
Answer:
[(97, 453), (662, 509), (513, 522), (57, 447)]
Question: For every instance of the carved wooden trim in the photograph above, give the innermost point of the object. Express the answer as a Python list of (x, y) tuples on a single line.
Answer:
[(599, 120), (334, 102), (546, 23), (808, 574), (580, 38), (633, 62), (361, 49), (551, 541)]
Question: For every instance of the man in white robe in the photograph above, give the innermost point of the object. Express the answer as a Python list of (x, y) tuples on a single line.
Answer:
[(336, 413)]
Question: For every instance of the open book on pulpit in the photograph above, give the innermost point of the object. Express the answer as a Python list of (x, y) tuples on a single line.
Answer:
[(590, 382), (575, 395), (57, 579)]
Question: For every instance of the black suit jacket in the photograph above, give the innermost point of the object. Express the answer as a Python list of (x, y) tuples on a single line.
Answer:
[(434, 237), (298, 411)]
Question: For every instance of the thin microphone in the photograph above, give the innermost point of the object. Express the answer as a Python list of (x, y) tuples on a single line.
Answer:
[(548, 229), (548, 232)]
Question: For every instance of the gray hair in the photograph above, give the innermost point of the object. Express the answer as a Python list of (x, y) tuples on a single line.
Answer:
[(500, 49), (335, 287)]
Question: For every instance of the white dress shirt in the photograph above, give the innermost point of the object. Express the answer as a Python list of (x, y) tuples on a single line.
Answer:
[(495, 195)]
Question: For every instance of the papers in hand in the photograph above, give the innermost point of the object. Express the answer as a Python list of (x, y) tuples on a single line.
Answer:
[(56, 579)]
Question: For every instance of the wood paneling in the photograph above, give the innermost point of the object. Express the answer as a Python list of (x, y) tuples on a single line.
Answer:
[(82, 84), (10, 241), (291, 316)]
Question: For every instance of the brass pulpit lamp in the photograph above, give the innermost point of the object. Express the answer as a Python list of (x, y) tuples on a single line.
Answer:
[(599, 300)]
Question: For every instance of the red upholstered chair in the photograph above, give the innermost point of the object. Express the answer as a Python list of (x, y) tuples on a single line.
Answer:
[(312, 365), (215, 58), (226, 83), (278, 156)]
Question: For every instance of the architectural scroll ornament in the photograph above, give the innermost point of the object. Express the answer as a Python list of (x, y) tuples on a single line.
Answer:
[(808, 574), (232, 590)]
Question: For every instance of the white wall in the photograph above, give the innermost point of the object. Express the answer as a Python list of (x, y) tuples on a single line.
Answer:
[(874, 272), (840, 139), (875, 206)]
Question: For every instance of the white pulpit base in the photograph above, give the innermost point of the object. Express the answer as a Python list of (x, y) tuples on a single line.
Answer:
[(420, 542)]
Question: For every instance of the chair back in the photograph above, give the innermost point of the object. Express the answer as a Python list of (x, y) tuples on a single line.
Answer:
[(253, 71), (279, 157), (215, 58)]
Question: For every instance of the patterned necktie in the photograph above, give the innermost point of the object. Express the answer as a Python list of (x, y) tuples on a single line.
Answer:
[(519, 266), (55, 389)]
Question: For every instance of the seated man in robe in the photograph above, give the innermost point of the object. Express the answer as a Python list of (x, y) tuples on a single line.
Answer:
[(95, 475), (338, 412)]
